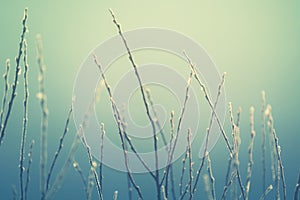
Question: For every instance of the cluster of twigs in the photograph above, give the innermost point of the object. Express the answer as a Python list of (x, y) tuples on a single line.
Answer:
[(163, 178)]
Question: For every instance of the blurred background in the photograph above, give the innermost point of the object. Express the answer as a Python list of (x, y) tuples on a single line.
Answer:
[(256, 43)]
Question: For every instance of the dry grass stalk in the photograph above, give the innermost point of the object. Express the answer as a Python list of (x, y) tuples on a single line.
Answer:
[(142, 90), (163, 192), (212, 178), (5, 93), (205, 153), (101, 154), (15, 82), (189, 145), (41, 95), (266, 192), (25, 122), (218, 120), (250, 152), (263, 135), (60, 146), (88, 149), (81, 175), (122, 133), (183, 109), (28, 170), (228, 183), (277, 148)]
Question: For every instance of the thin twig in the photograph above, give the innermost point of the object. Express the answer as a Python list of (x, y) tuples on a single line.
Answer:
[(88, 149), (118, 119), (90, 182), (44, 118), (5, 93), (122, 132), (79, 171), (228, 183), (271, 143), (28, 169), (15, 83), (235, 150), (60, 146), (203, 88), (205, 153), (263, 144), (266, 192), (158, 186), (172, 126), (156, 119), (278, 151), (25, 121), (101, 155), (218, 121), (183, 170), (189, 144), (211, 177), (250, 152), (70, 159), (183, 109), (163, 192), (126, 147)]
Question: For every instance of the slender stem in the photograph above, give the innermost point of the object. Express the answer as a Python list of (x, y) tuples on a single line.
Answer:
[(158, 186), (266, 192), (205, 152), (156, 119), (3, 125), (101, 155), (250, 152), (28, 170), (278, 150), (183, 109), (79, 171), (189, 144), (44, 118), (6, 88), (172, 126), (60, 176), (90, 182), (57, 153), (118, 119), (203, 87), (163, 192), (211, 177), (70, 159), (228, 183), (218, 121), (183, 170), (25, 122), (263, 145), (88, 149), (122, 132)]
